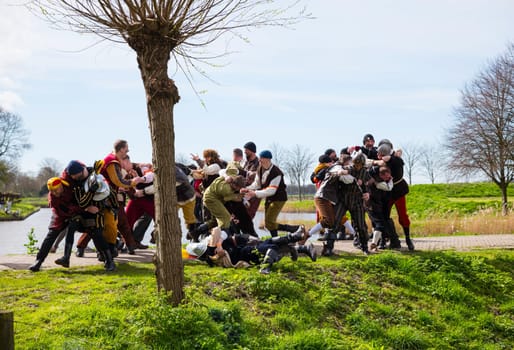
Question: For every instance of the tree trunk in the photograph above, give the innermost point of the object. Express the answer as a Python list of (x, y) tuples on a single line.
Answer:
[(153, 55), (505, 202)]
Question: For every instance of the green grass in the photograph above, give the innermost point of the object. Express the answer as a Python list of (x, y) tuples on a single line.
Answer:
[(21, 208), (425, 300)]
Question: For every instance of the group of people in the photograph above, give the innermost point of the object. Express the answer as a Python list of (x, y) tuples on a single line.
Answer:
[(362, 180), (219, 200), (91, 200)]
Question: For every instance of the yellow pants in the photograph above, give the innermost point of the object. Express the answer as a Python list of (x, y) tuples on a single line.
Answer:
[(110, 227)]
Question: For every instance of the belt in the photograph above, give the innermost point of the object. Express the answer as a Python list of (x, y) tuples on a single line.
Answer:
[(397, 182)]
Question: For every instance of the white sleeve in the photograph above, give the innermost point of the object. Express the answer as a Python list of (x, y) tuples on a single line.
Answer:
[(271, 189), (212, 169)]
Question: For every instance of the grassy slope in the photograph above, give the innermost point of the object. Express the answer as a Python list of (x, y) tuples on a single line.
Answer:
[(433, 300)]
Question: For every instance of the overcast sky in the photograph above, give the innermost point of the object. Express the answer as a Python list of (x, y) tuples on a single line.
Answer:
[(392, 68)]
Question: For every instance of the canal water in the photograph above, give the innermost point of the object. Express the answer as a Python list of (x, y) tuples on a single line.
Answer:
[(13, 234)]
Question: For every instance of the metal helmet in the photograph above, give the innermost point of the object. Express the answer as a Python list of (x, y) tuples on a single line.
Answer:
[(359, 158), (197, 248), (103, 190), (385, 142), (385, 149)]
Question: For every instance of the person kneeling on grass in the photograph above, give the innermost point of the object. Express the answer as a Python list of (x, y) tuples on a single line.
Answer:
[(244, 250)]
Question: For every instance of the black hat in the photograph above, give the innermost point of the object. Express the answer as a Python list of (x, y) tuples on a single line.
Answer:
[(367, 137), (250, 146), (329, 151), (324, 159)]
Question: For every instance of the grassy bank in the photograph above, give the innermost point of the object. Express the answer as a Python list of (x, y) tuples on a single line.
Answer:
[(432, 300), (24, 207)]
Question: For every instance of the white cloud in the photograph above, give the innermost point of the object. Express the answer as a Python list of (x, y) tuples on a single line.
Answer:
[(9, 100)]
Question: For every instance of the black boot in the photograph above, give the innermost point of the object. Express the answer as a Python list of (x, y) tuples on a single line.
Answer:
[(364, 238), (113, 250), (65, 260), (298, 235), (109, 261), (280, 240), (394, 240), (288, 228), (36, 266), (408, 241), (328, 248), (195, 234), (191, 228), (270, 258), (309, 250), (80, 252), (273, 233)]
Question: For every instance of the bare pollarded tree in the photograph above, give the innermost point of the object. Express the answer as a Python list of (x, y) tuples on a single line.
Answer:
[(411, 153), (482, 138), (298, 166), (431, 161), (158, 30)]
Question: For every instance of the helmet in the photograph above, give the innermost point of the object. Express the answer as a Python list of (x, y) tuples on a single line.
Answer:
[(197, 249), (385, 141), (103, 190), (384, 149), (359, 158)]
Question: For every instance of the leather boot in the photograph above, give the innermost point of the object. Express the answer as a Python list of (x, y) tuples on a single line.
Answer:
[(408, 241), (65, 260), (109, 261), (268, 261), (328, 248), (273, 233), (288, 228), (36, 266), (393, 236), (113, 250), (195, 234), (309, 250), (80, 252), (298, 235)]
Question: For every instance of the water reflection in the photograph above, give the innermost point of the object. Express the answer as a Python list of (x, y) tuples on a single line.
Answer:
[(13, 234)]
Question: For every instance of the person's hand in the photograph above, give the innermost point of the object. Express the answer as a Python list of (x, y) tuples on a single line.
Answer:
[(139, 193), (138, 180), (94, 186), (365, 196), (92, 209), (194, 156), (249, 195)]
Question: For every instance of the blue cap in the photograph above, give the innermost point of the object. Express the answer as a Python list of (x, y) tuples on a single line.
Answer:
[(74, 167), (265, 154)]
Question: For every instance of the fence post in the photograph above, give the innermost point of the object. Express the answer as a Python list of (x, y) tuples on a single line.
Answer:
[(6, 330)]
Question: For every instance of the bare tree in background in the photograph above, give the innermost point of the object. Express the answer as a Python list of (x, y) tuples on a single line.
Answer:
[(411, 153), (279, 154), (13, 137), (13, 142), (298, 166), (155, 30), (482, 138), (431, 161), (49, 167)]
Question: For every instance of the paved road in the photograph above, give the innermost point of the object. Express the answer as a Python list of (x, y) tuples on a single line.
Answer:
[(457, 243)]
